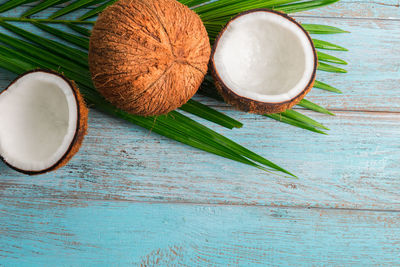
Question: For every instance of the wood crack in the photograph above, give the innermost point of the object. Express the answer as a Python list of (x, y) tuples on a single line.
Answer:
[(116, 199)]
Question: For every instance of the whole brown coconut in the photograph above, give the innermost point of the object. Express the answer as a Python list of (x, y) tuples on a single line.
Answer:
[(148, 57)]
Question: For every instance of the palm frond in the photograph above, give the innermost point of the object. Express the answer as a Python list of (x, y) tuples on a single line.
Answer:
[(174, 125), (193, 3), (327, 45), (76, 55), (78, 29), (200, 110), (97, 10), (327, 87), (51, 21), (303, 118), (71, 8), (69, 62), (210, 114), (42, 6), (29, 49), (329, 58), (312, 106), (36, 51), (208, 89), (322, 29), (13, 4), (294, 122), (81, 42), (329, 68)]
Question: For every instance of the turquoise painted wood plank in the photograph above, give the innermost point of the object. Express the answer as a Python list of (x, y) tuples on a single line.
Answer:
[(359, 9), (356, 166), (374, 66), (83, 214), (96, 233)]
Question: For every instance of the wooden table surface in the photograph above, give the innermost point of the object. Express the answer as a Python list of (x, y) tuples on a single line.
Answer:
[(133, 197)]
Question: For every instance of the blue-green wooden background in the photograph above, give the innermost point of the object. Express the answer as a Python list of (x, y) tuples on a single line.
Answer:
[(131, 197)]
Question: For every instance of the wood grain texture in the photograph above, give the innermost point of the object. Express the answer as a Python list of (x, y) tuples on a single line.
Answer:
[(133, 197), (359, 9), (98, 233), (356, 166)]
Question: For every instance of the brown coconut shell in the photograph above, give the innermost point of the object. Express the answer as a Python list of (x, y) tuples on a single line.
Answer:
[(148, 57), (81, 127), (251, 105)]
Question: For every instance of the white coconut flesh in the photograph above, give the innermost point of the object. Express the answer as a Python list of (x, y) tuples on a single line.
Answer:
[(264, 56), (38, 121)]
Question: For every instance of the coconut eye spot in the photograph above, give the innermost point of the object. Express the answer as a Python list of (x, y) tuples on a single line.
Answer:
[(38, 115), (264, 56)]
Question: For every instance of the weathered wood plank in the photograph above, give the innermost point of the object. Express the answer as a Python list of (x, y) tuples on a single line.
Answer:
[(359, 9), (356, 166), (83, 214), (38, 232), (374, 66)]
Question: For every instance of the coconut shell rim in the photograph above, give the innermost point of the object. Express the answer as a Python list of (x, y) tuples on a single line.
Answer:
[(226, 92), (75, 140)]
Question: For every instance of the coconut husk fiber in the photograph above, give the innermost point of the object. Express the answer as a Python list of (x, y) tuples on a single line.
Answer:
[(148, 57)]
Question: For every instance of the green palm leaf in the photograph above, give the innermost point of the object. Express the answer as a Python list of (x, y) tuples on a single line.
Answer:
[(97, 10), (19, 56), (208, 113), (72, 7), (82, 68), (76, 55), (42, 54), (294, 122), (329, 58), (174, 125), (322, 29), (78, 29), (327, 87), (312, 106), (327, 45), (303, 118), (81, 42), (12, 4), (42, 6), (329, 68)]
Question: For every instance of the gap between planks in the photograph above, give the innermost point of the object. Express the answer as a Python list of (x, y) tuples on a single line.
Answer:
[(346, 18), (189, 203), (225, 107)]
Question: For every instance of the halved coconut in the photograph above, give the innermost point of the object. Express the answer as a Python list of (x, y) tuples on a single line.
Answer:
[(263, 61), (43, 120)]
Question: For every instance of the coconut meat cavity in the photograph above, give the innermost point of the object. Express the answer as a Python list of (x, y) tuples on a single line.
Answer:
[(38, 121), (265, 57)]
